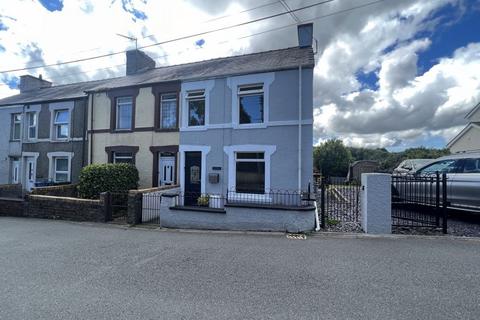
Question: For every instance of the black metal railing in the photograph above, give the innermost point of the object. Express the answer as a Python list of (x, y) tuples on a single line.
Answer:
[(272, 198), (419, 201), (339, 201)]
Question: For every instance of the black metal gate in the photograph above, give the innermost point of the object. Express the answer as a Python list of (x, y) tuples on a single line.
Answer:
[(117, 206), (419, 201), (339, 201)]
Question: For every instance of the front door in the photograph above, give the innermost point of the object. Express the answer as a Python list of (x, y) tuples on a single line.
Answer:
[(30, 173), (166, 174), (193, 173)]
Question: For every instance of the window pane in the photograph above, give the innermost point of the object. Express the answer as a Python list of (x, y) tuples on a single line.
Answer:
[(61, 116), (32, 119), (196, 112), (169, 114), (124, 116), (32, 132), (445, 166), (62, 131), (61, 164), (250, 177), (16, 131), (61, 177), (251, 109), (122, 157), (250, 155), (471, 166)]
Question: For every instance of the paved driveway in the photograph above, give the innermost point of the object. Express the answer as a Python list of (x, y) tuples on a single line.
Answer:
[(60, 270)]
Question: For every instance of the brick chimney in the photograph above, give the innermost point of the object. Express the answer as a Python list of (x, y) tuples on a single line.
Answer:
[(305, 35), (138, 62), (29, 83)]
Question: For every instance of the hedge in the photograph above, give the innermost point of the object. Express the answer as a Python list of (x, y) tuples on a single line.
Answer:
[(98, 178)]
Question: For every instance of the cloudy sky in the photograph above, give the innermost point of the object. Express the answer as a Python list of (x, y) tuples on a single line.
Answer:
[(391, 73)]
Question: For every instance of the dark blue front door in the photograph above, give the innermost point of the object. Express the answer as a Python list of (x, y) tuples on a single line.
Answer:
[(193, 172)]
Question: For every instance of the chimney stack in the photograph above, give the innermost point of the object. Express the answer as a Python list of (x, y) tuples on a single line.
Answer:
[(138, 62), (305, 35), (29, 83)]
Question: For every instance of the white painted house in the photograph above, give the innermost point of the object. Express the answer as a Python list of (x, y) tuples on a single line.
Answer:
[(468, 139)]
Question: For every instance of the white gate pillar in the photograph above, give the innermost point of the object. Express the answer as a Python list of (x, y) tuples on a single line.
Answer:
[(376, 201)]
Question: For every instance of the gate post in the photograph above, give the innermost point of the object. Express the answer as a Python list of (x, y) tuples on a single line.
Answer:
[(376, 201), (134, 211), (444, 203), (106, 197)]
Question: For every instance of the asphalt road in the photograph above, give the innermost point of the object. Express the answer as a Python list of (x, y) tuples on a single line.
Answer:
[(61, 270)]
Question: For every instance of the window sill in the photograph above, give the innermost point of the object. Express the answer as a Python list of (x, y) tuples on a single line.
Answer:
[(121, 131), (199, 209), (166, 130), (195, 128), (250, 126)]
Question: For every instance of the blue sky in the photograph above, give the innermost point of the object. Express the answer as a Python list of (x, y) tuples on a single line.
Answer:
[(394, 74)]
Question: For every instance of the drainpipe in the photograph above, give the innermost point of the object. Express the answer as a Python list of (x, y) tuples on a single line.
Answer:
[(299, 128), (91, 128)]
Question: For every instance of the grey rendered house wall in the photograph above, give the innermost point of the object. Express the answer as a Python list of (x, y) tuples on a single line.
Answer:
[(8, 148), (283, 106), (45, 145)]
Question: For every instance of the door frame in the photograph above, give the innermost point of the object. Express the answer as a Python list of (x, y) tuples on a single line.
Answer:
[(25, 159), (203, 176), (172, 158)]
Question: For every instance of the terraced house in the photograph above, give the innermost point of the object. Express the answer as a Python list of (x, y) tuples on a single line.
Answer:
[(43, 136)]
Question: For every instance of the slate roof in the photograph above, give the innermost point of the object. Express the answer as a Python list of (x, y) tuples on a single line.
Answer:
[(54, 93), (267, 61), (274, 60)]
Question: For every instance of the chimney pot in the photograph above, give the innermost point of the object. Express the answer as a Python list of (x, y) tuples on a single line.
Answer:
[(29, 83), (305, 35)]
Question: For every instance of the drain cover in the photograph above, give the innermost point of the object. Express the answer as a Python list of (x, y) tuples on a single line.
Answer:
[(296, 236)]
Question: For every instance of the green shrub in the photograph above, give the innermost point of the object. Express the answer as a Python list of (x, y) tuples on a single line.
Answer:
[(98, 178)]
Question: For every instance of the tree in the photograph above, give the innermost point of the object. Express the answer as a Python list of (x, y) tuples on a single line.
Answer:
[(332, 158)]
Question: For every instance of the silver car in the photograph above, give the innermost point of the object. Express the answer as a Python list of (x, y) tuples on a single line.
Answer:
[(463, 178), (410, 165)]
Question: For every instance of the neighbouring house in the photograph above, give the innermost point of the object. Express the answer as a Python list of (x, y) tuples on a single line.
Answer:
[(469, 138), (43, 132), (134, 119)]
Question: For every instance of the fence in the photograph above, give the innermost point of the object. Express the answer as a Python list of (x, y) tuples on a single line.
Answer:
[(420, 201), (339, 201)]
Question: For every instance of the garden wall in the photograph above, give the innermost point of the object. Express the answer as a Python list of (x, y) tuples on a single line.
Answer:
[(67, 190)]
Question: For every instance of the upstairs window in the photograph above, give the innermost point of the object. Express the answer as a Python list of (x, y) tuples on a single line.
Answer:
[(123, 157), (250, 172), (32, 125), (251, 104), (196, 108), (61, 124), (16, 126), (61, 170), (124, 113), (168, 111)]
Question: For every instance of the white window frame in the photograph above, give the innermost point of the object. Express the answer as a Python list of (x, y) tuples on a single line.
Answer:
[(235, 83), (118, 104), (196, 86), (57, 106), (29, 126), (251, 92), (247, 160), (115, 157), (52, 157), (267, 150), (162, 99), (14, 123)]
